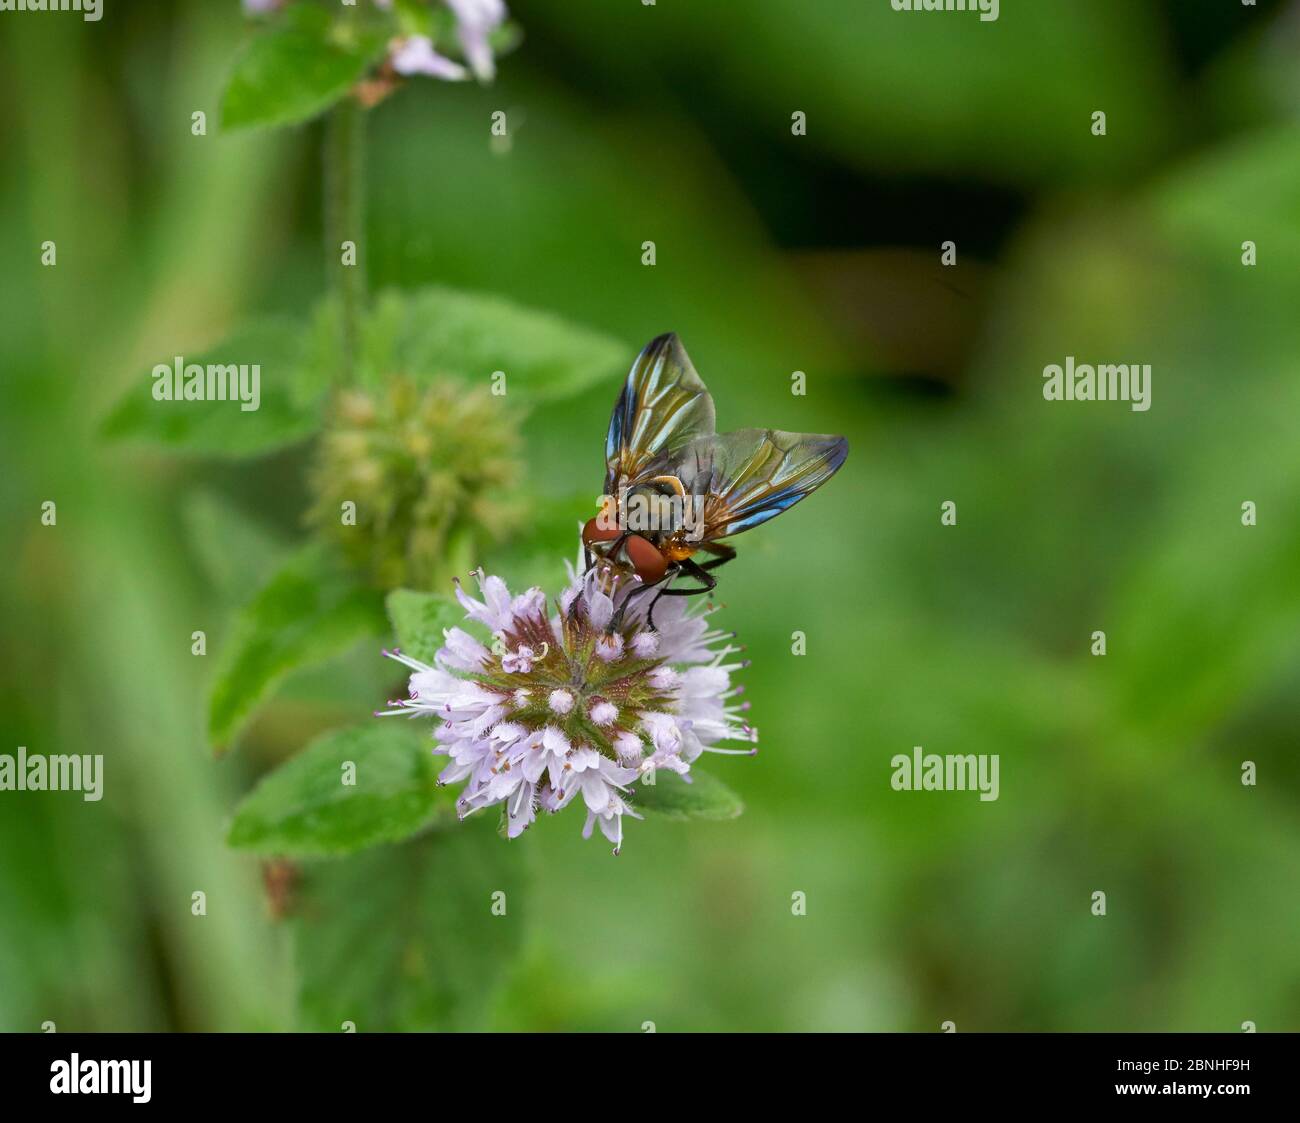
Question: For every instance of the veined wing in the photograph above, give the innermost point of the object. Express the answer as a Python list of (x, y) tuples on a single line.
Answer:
[(664, 405), (752, 475)]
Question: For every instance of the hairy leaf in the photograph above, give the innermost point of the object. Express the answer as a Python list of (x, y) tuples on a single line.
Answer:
[(310, 610), (704, 798), (305, 808), (411, 937)]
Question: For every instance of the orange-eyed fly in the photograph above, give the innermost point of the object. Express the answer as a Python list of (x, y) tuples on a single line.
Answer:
[(674, 487)]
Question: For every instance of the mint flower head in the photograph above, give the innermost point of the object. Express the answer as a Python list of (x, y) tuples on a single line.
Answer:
[(583, 704), (408, 474)]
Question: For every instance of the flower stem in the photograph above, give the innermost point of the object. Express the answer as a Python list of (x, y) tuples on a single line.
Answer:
[(345, 221)]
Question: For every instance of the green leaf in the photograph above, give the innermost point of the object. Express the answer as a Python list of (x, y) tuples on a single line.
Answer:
[(311, 609), (304, 809), (1196, 206), (297, 69), (672, 797), (405, 938), (286, 412), (1224, 596), (440, 331), (418, 620)]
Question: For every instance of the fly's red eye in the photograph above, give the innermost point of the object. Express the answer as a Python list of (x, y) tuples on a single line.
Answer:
[(594, 532), (649, 563)]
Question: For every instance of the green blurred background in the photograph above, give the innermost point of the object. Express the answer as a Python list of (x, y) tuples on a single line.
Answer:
[(775, 253)]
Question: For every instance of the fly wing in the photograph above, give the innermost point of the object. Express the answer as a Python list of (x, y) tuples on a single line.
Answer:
[(752, 475), (664, 405)]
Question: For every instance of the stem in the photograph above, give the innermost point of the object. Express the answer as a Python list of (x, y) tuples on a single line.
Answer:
[(345, 221)]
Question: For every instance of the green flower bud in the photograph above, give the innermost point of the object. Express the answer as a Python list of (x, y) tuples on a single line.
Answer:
[(429, 469)]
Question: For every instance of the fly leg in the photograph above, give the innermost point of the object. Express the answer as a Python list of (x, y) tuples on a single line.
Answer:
[(691, 569), (723, 552), (617, 621)]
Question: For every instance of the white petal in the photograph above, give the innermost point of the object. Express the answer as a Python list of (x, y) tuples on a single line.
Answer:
[(600, 610), (554, 741), (595, 792), (611, 826)]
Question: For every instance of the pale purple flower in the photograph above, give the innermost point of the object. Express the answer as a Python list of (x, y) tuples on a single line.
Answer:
[(415, 55), (517, 662), (610, 818), (261, 7), (475, 22), (556, 711)]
